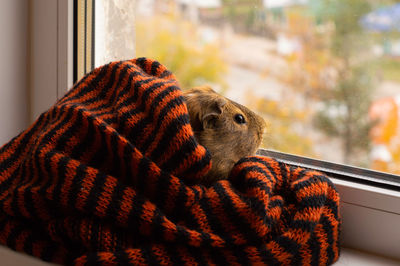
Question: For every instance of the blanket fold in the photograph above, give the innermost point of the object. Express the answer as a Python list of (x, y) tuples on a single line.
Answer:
[(110, 174)]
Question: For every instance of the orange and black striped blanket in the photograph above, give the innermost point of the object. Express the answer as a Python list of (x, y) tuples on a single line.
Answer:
[(107, 176)]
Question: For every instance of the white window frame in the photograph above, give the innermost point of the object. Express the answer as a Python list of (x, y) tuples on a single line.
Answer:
[(370, 209), (51, 52)]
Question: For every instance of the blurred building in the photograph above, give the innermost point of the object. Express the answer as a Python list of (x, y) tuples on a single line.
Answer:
[(201, 10), (283, 3)]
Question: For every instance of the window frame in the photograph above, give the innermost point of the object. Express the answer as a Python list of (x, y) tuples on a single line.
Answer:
[(84, 36), (370, 206), (50, 53)]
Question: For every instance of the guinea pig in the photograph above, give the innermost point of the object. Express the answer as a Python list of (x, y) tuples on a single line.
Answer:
[(228, 130)]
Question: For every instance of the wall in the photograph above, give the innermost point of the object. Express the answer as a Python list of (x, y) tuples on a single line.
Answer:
[(43, 55), (35, 70), (13, 68), (50, 52)]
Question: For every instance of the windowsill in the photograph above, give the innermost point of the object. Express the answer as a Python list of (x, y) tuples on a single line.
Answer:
[(12, 258), (353, 257), (349, 257)]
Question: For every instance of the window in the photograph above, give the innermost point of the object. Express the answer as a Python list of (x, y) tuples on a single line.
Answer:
[(321, 73), (84, 14), (324, 74)]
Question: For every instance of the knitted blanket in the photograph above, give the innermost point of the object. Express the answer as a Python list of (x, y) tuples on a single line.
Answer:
[(108, 176)]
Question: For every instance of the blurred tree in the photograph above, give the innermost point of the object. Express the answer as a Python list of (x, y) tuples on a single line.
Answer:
[(178, 45), (310, 73), (344, 113), (283, 123), (309, 68), (246, 16)]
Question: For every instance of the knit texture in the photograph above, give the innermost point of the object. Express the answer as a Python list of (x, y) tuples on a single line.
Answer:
[(109, 176)]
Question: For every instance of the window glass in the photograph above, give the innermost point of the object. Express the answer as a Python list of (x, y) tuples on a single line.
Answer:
[(114, 30), (325, 74)]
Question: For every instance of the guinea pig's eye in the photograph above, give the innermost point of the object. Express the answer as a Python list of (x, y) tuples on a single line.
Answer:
[(240, 119)]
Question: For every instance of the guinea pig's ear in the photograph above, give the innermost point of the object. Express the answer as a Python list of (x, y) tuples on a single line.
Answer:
[(209, 120), (213, 113), (203, 89)]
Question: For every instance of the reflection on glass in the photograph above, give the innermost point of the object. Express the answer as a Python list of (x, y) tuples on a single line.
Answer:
[(325, 74)]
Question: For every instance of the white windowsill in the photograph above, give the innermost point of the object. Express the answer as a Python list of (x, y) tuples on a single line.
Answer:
[(351, 257), (348, 257)]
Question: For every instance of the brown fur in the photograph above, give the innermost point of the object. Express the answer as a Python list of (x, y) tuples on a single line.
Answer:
[(212, 117)]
